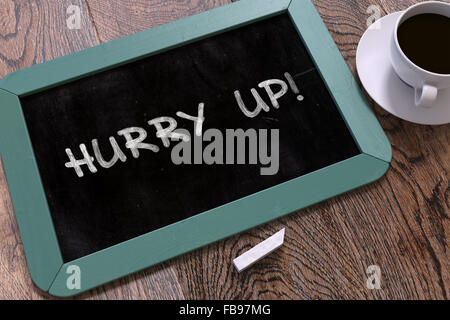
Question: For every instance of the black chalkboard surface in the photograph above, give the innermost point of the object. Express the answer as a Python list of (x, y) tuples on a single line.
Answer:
[(144, 193)]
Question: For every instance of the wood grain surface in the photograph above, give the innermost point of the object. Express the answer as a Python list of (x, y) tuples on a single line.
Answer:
[(399, 223)]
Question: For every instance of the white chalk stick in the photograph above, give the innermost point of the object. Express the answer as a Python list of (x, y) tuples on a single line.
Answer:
[(259, 251)]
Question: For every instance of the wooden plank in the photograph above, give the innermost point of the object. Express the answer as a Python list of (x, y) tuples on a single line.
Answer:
[(138, 45), (31, 32), (118, 18), (399, 223)]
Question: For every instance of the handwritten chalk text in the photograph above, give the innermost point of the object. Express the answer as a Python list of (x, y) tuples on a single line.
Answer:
[(210, 147)]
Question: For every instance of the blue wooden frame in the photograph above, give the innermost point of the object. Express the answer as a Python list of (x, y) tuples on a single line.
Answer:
[(36, 227)]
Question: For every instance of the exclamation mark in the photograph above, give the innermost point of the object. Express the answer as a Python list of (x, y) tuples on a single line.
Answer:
[(294, 86)]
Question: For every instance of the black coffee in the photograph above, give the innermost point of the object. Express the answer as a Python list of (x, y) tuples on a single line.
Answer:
[(425, 40)]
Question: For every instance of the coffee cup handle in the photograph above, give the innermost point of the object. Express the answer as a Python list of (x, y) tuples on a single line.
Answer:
[(426, 96)]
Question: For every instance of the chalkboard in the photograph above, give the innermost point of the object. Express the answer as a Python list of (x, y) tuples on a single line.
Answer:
[(132, 152), (142, 194)]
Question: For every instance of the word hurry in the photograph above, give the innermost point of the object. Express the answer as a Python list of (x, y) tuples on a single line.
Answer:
[(213, 153)]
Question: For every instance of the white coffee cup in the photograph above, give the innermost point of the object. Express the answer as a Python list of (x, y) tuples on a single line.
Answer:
[(426, 84)]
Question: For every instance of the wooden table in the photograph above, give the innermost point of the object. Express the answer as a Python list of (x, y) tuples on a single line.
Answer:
[(399, 223)]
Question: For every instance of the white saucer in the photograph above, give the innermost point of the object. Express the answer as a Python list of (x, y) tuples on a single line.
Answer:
[(385, 87)]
